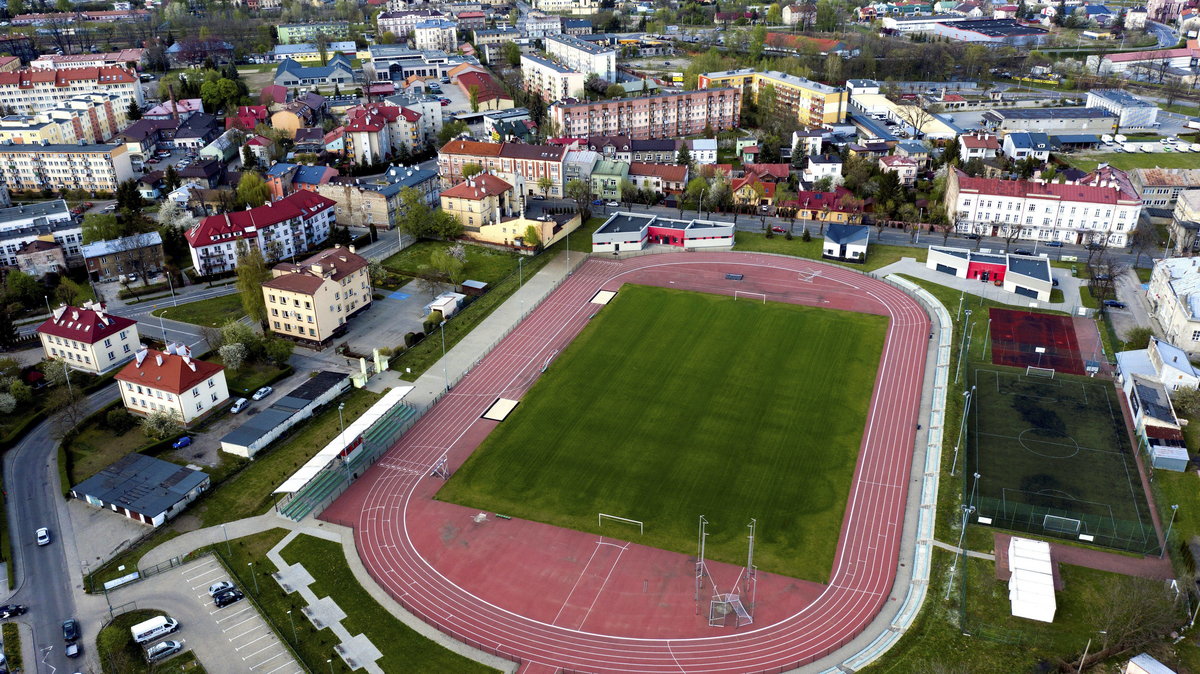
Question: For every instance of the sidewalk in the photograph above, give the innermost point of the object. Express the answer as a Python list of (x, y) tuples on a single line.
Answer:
[(1069, 285)]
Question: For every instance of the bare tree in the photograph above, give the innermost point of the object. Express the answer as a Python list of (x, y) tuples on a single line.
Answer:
[(1144, 241), (1130, 613), (1010, 233), (916, 116)]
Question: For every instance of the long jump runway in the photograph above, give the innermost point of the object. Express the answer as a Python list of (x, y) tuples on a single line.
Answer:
[(555, 599)]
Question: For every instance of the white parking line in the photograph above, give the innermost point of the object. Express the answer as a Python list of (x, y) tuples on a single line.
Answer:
[(231, 616), (266, 648), (202, 574), (236, 624), (268, 660), (247, 644), (277, 668), (249, 631)]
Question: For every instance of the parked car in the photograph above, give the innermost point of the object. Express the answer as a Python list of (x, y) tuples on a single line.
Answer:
[(228, 597), (182, 442), (239, 405), (72, 650), (973, 237), (444, 103), (262, 393), (217, 588), (613, 204), (537, 197), (1023, 251), (778, 230), (1114, 304), (70, 629), (1054, 244), (597, 202), (162, 650), (153, 160), (43, 536), (12, 610)]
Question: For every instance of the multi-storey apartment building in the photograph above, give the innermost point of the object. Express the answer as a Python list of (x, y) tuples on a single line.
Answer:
[(88, 338), (299, 33), (91, 118), (375, 131), (279, 229), (514, 163), (436, 34), (134, 254), (815, 104), (1160, 187), (548, 79), (312, 301), (402, 23), (567, 6), (172, 381), (360, 204), (669, 115), (21, 226), (1102, 209), (583, 56), (33, 91), (539, 25), (126, 58), (94, 168), (495, 36)]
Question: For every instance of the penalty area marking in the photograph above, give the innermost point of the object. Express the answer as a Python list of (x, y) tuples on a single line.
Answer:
[(603, 297), (500, 409)]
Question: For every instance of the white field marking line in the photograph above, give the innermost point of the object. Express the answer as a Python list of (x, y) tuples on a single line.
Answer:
[(236, 624), (247, 644), (604, 584), (892, 352), (249, 631), (260, 651), (582, 571)]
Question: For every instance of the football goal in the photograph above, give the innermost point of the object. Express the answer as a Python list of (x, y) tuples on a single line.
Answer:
[(742, 293), (1034, 371), (1065, 525), (600, 517)]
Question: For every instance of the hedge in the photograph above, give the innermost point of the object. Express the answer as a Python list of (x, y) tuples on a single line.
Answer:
[(12, 647), (143, 290)]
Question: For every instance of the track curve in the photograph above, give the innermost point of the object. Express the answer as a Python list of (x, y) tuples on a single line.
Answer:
[(380, 505)]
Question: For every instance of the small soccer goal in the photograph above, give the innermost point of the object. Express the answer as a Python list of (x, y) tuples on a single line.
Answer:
[(600, 517), (742, 294), (1063, 525), (1043, 372)]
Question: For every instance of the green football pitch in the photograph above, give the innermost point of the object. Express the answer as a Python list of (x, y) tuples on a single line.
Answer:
[(671, 405)]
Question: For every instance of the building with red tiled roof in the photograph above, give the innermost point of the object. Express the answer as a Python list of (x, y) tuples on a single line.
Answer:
[(247, 117), (376, 131), (312, 301), (769, 172), (489, 95), (1097, 209), (172, 382), (904, 167), (662, 178), (88, 338), (978, 145), (32, 91), (802, 43), (838, 206), (279, 229), (508, 161)]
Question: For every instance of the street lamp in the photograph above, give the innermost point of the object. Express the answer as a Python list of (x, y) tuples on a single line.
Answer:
[(1167, 538), (254, 576), (330, 663), (226, 532), (293, 622), (442, 326)]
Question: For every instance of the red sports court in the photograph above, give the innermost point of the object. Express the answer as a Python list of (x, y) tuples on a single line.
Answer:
[(1017, 337)]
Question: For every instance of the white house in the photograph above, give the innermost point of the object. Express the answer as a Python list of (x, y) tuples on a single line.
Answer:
[(703, 150), (1161, 361), (823, 166), (1174, 296), (978, 145), (1020, 145), (846, 243), (172, 381), (87, 338)]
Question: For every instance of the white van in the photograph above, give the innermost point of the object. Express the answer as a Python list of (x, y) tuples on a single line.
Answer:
[(153, 628)]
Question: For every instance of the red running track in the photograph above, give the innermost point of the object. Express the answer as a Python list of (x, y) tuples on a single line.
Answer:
[(399, 527)]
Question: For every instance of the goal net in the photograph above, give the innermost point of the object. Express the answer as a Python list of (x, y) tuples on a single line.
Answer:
[(1044, 372), (1065, 525), (600, 517), (742, 294)]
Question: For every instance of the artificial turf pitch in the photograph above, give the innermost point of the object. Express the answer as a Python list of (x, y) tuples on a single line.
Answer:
[(671, 405)]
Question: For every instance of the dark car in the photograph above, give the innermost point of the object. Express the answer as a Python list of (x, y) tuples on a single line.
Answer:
[(72, 650), (227, 597), (70, 629), (1114, 304), (1023, 251), (973, 237), (1095, 246), (182, 442), (1054, 244), (12, 611)]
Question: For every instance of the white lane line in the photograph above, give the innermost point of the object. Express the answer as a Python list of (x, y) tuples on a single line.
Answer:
[(267, 648)]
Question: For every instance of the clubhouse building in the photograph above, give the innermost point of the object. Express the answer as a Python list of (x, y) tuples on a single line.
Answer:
[(1020, 274), (634, 231)]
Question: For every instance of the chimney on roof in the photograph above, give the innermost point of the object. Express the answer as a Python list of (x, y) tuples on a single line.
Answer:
[(140, 355), (158, 359), (190, 364)]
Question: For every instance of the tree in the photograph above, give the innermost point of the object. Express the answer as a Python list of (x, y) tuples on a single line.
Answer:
[(1144, 241), (279, 351), (452, 130), (233, 355), (693, 194), (544, 184), (1187, 400), (252, 273), (684, 157), (446, 226), (129, 199), (135, 111), (8, 330), (581, 193), (249, 159), (471, 169), (448, 266), (629, 191), (252, 190), (171, 179), (16, 7), (101, 227), (532, 237), (416, 216), (915, 116), (774, 15), (473, 97), (512, 53), (1130, 614), (161, 425), (614, 91)]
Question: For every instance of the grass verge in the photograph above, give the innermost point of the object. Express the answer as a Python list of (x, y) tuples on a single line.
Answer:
[(12, 647), (566, 472), (118, 652), (212, 312), (403, 649), (878, 255), (483, 264)]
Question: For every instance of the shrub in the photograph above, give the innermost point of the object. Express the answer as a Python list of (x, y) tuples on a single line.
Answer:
[(233, 355), (119, 421), (410, 338), (806, 236), (160, 425)]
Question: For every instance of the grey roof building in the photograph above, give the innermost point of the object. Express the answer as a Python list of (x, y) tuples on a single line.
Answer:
[(299, 404), (143, 488)]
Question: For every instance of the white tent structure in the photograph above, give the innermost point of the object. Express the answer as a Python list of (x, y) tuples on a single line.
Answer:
[(1031, 586)]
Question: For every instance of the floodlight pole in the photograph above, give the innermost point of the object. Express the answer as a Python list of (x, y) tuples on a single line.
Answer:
[(962, 427), (961, 353), (700, 556), (1167, 538), (974, 490)]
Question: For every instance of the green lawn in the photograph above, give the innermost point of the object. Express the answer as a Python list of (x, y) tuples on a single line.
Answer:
[(709, 437), (403, 649), (250, 377), (119, 653), (483, 264), (877, 255), (213, 312), (1131, 160), (94, 447)]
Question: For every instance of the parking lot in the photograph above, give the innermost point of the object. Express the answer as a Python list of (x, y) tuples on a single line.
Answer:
[(225, 640)]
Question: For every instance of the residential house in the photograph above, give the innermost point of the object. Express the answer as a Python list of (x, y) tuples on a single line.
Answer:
[(823, 166), (284, 178), (661, 178), (583, 56), (916, 150), (247, 117), (172, 382), (703, 150), (753, 191), (195, 51), (280, 229), (88, 338), (362, 203), (305, 111), (607, 176), (665, 150), (903, 167), (110, 260), (838, 206), (193, 133), (578, 165), (312, 301), (41, 256), (1021, 145), (376, 132), (977, 145), (402, 23), (506, 160), (338, 72), (846, 243)]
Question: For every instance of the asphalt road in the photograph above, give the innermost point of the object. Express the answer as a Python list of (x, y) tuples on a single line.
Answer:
[(1167, 37)]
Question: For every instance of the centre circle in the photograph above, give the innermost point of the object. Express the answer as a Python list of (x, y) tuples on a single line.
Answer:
[(1059, 448)]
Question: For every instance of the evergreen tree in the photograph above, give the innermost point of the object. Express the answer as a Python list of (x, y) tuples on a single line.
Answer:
[(135, 112)]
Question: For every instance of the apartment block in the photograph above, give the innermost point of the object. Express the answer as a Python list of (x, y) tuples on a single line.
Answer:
[(94, 168), (511, 162), (173, 382), (1161, 187), (378, 202), (567, 6), (280, 229), (670, 115), (90, 118), (31, 91), (299, 33), (311, 301), (583, 56), (815, 104), (548, 79), (438, 34), (402, 23), (88, 338)]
